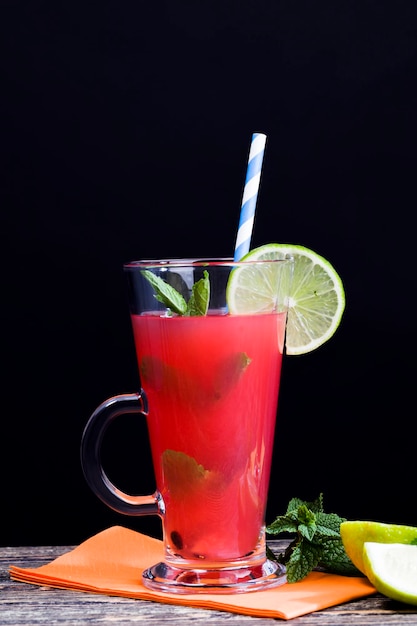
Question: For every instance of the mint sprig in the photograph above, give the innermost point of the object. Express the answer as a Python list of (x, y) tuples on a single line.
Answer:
[(164, 292), (200, 296), (317, 542)]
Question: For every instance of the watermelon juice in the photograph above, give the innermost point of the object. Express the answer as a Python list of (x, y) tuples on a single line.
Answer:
[(212, 387)]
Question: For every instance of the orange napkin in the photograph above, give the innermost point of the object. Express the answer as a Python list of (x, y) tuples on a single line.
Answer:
[(112, 562)]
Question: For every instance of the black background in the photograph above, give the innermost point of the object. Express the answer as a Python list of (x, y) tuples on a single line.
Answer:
[(125, 134)]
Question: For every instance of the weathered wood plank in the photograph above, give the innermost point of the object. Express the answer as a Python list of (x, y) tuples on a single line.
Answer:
[(29, 605)]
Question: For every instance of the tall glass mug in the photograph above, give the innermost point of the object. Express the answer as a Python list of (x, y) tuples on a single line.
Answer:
[(209, 393)]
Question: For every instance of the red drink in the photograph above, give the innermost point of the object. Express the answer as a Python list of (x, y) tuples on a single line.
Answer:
[(212, 386), (209, 337)]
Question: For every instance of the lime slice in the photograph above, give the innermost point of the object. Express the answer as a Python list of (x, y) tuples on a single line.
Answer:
[(392, 569), (316, 299), (354, 533)]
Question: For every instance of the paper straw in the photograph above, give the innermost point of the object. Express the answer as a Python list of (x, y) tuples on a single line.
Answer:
[(250, 195)]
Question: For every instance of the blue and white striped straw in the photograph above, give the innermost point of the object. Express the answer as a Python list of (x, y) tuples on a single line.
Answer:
[(250, 195)]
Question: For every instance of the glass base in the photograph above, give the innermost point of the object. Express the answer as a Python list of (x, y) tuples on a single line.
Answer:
[(163, 577)]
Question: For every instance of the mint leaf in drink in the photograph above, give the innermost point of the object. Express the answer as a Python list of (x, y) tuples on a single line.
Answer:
[(166, 294), (157, 374), (229, 372), (317, 542), (181, 471), (200, 296)]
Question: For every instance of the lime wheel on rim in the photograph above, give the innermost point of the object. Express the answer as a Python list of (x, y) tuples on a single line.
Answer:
[(316, 298)]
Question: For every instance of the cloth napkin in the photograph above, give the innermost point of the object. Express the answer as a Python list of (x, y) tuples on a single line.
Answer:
[(112, 562)]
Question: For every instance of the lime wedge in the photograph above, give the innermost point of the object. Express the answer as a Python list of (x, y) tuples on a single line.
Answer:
[(392, 569), (316, 299), (355, 533)]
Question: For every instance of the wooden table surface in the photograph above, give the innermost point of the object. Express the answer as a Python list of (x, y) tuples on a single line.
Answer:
[(28, 604)]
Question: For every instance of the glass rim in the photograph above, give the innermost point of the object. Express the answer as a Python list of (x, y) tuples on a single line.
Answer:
[(201, 262)]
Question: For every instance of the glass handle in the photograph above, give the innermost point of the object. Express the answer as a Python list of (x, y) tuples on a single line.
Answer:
[(94, 473)]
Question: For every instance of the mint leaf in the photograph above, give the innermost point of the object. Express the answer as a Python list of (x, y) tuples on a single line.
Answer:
[(184, 385), (182, 472), (282, 524), (304, 558), (200, 296), (315, 507), (334, 559), (154, 372), (229, 372), (328, 524), (317, 542), (186, 478), (198, 302), (165, 293)]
